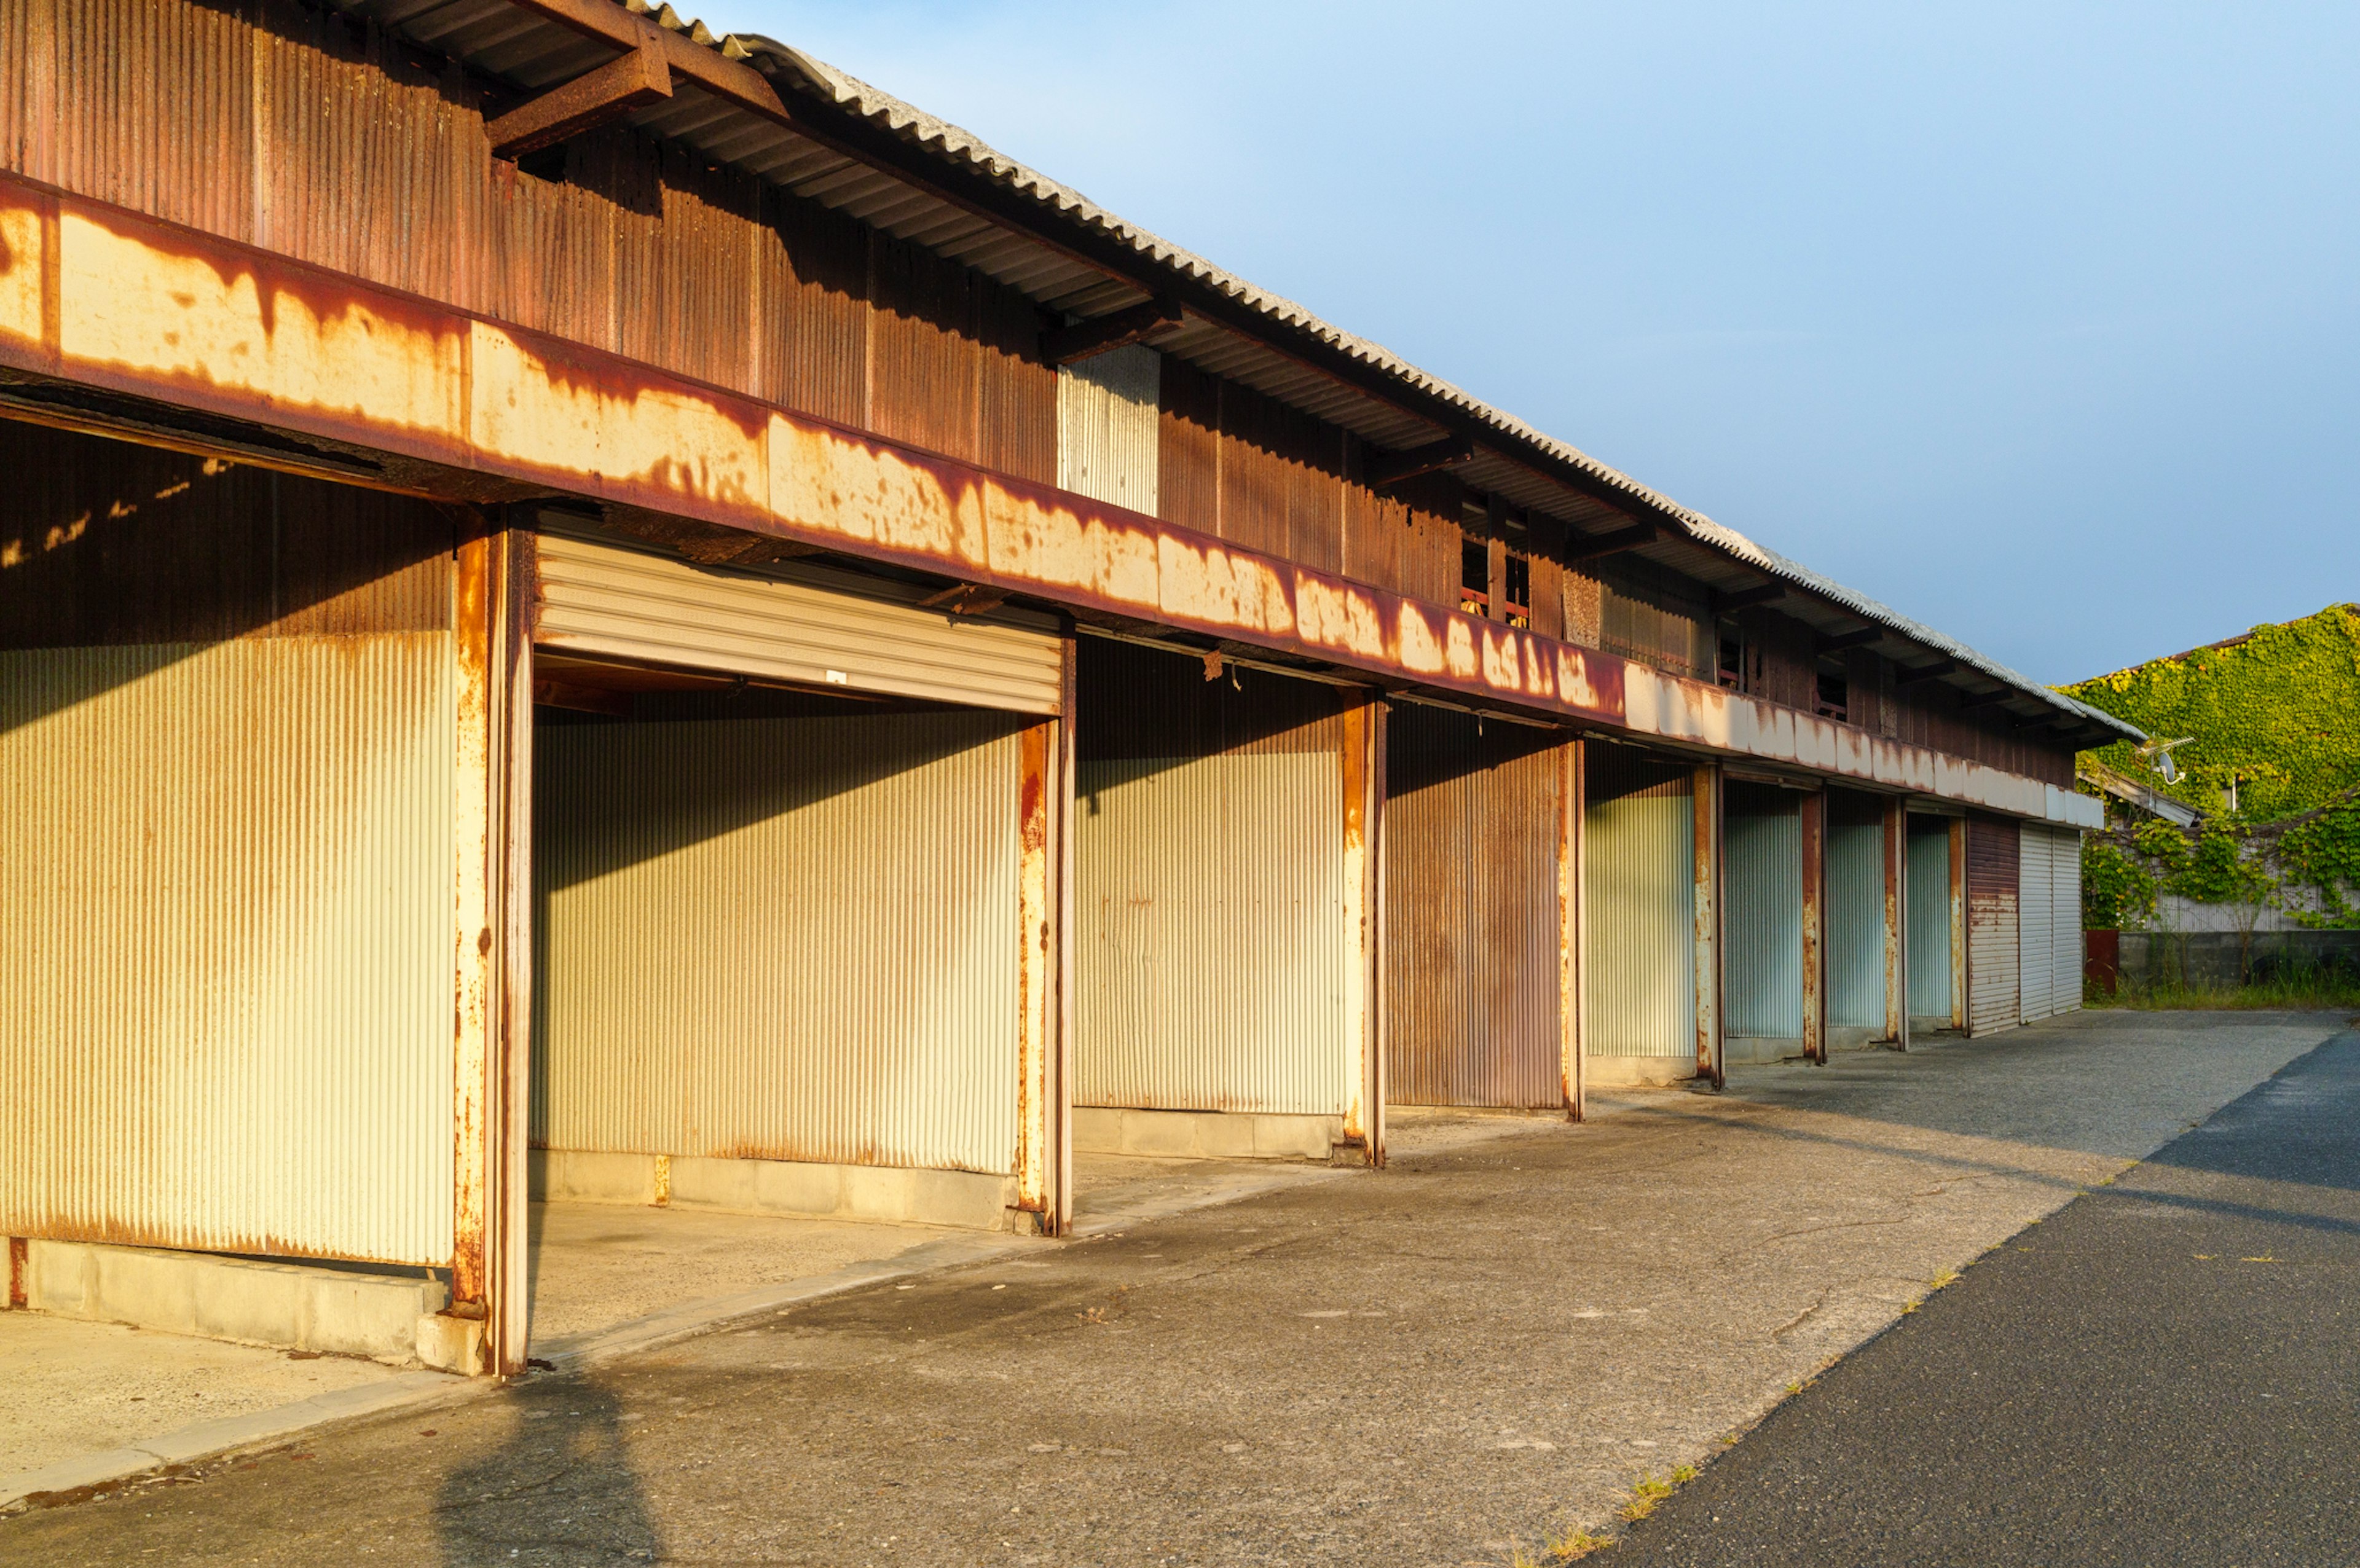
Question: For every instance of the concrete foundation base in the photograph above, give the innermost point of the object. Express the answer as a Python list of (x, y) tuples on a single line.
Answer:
[(1759, 1048), (288, 1306), (801, 1188), (1627, 1071), (1206, 1135)]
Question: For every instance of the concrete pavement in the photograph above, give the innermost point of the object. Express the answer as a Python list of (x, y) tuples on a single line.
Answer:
[(2166, 1371), (1476, 1351)]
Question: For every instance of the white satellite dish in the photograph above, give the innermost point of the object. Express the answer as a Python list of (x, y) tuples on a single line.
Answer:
[(2158, 753)]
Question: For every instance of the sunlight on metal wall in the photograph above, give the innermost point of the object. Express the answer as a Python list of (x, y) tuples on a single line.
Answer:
[(1640, 941), (226, 933)]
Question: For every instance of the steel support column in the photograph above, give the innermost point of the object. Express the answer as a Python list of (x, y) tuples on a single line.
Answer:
[(1572, 921), (1957, 923), (1364, 795), (1814, 813), (1707, 798), (1896, 924)]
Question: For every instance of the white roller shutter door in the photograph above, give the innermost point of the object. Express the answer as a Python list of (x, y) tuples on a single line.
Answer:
[(2036, 952), (802, 625), (2066, 931)]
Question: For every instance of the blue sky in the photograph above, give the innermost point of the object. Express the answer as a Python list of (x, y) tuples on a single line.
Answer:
[(2035, 321)]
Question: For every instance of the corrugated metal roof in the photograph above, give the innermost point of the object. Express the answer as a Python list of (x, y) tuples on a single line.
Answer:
[(533, 52)]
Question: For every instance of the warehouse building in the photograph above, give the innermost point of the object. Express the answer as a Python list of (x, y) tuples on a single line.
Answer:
[(596, 612)]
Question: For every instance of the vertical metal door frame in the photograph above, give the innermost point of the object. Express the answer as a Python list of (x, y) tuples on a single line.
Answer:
[(1897, 928), (1707, 808), (1061, 1055), (1572, 921), (1363, 779), (492, 840), (1814, 808)]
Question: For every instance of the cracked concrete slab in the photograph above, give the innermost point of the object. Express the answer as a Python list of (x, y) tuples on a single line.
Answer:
[(1488, 1344)]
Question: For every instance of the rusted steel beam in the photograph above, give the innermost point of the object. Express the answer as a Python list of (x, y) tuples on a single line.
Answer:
[(1061, 1056), (1897, 909), (1102, 335), (1381, 468), (1707, 818), (630, 81), (507, 1258), (474, 841), (372, 386), (1814, 808), (1597, 547), (1573, 925)]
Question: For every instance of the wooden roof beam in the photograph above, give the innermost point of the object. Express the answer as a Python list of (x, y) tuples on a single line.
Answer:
[(626, 82), (1746, 598), (1597, 547), (1908, 677), (1859, 637), (1119, 329), (1382, 468)]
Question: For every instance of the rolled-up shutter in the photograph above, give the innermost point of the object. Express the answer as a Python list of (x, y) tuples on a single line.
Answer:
[(2065, 868), (804, 624)]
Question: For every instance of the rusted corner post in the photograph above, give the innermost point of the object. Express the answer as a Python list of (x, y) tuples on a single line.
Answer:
[(1572, 924), (1815, 927), (1896, 911), (1957, 923), (1040, 1002), (1708, 926), (492, 881), (1364, 794)]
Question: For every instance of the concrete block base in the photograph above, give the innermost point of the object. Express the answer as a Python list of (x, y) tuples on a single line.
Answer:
[(1748, 1050), (1631, 1072), (1206, 1135), (805, 1189), (289, 1306)]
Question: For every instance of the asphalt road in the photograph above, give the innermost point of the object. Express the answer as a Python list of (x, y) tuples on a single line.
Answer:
[(2166, 1371)]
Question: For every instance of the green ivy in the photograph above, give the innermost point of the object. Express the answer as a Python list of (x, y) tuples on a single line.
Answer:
[(2280, 710), (2117, 892)]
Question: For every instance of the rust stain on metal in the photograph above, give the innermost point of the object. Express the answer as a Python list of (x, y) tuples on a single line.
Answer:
[(1034, 964), (19, 1287), (1897, 965), (1815, 865), (1572, 913), (471, 850), (1707, 820)]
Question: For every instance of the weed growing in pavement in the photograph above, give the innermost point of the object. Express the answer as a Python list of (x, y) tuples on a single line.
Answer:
[(1577, 1543), (1946, 1278), (1683, 1474), (1644, 1497)]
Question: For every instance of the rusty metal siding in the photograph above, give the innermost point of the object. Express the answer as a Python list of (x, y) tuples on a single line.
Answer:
[(2035, 923), (807, 625), (1991, 893), (779, 939), (1855, 911), (1471, 984), (1639, 944), (1762, 883), (1108, 428), (225, 923), (1927, 899)]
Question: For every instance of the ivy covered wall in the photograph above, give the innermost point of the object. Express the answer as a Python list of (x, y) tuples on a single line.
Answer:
[(2278, 711)]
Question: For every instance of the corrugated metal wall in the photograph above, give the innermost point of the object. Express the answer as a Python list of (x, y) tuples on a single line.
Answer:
[(793, 623), (1107, 432), (1992, 858), (1927, 898), (2035, 923), (1762, 912), (225, 926), (1211, 951), (2065, 967), (779, 939), (1640, 945), (1855, 911), (1472, 982)]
